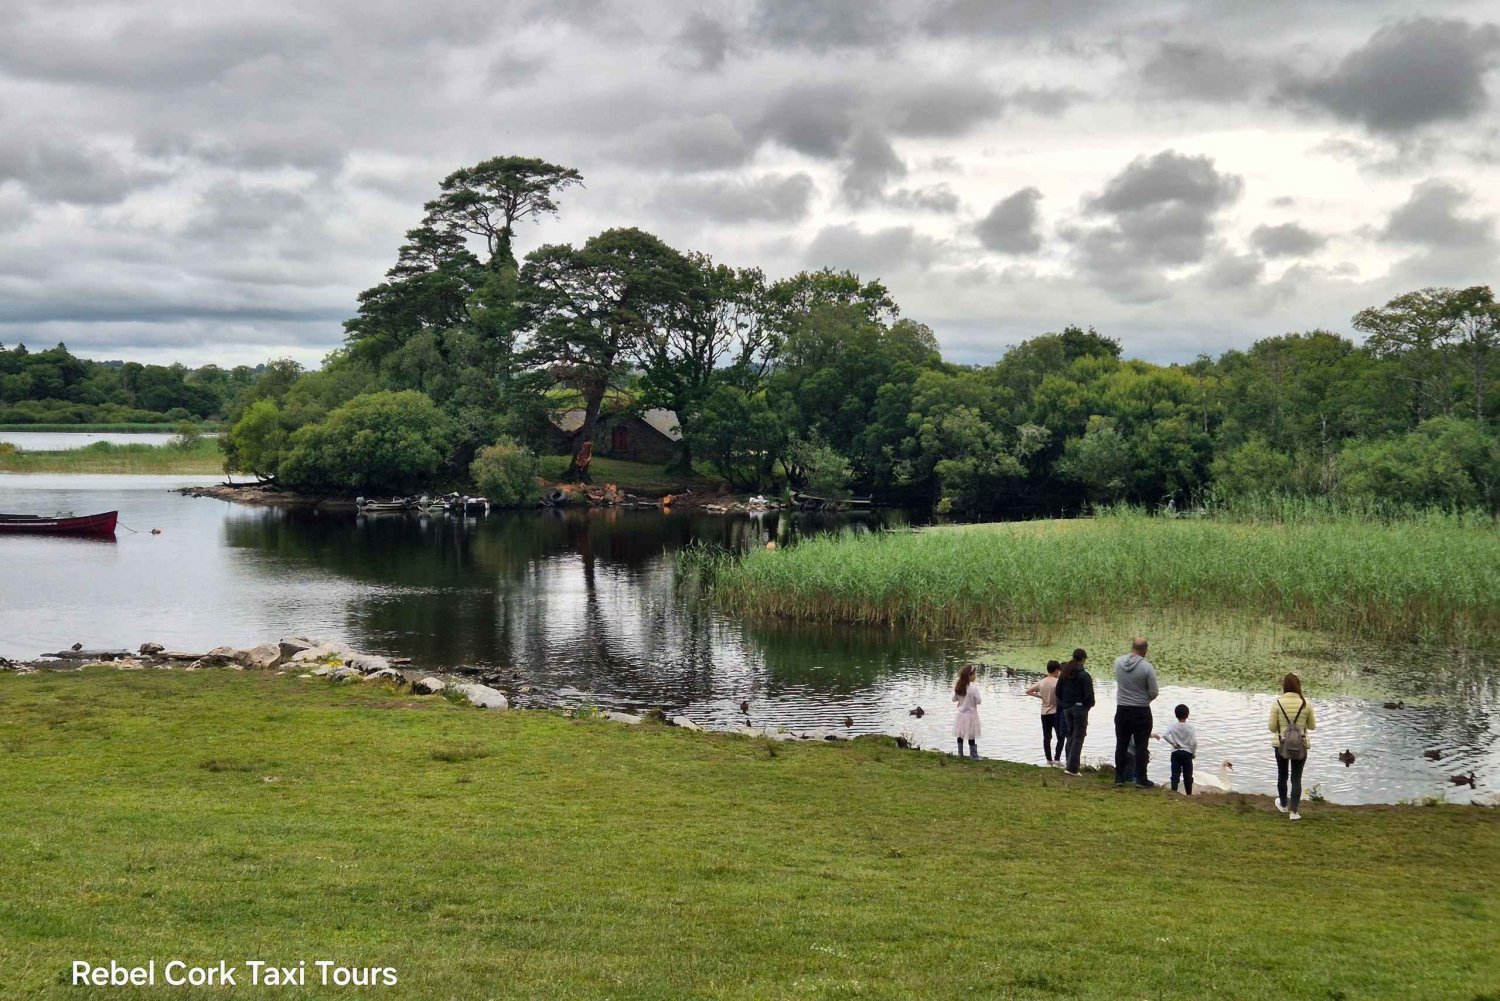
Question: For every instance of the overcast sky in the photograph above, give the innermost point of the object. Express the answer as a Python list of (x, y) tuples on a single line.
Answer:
[(216, 182)]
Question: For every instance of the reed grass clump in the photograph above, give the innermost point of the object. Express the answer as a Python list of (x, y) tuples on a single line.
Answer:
[(1432, 577), (199, 456)]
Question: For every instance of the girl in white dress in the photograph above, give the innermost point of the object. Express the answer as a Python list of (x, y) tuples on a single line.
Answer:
[(966, 722)]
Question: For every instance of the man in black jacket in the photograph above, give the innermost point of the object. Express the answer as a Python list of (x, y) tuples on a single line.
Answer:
[(1075, 697)]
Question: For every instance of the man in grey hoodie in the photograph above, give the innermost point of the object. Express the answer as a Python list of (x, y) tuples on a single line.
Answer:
[(1135, 690)]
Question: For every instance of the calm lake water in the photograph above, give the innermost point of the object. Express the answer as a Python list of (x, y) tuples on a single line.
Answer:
[(586, 608)]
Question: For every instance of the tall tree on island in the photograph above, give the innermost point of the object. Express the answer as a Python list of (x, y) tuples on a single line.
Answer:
[(725, 337), (489, 198), (589, 309)]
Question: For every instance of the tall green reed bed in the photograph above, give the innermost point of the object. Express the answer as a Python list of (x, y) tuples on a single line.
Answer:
[(1424, 576)]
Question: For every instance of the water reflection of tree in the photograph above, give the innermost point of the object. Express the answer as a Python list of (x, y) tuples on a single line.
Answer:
[(564, 597)]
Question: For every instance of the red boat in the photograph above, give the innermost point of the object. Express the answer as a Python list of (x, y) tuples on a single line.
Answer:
[(88, 524)]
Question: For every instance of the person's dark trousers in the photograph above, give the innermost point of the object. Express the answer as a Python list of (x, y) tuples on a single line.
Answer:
[(1182, 768), (1295, 767), (973, 749), (1132, 721), (1078, 728), (1053, 723)]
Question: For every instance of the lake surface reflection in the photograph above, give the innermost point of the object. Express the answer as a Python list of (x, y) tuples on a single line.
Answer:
[(586, 607)]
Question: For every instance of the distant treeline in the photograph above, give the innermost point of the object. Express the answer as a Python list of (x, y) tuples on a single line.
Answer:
[(53, 387)]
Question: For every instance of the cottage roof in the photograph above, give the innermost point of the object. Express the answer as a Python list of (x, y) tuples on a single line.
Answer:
[(663, 422)]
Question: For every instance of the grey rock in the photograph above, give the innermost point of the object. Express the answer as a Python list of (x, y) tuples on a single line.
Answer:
[(483, 696), (326, 651), (151, 649), (684, 722), (621, 717), (320, 672), (293, 645), (367, 663), (344, 674), (384, 674), (428, 686), (261, 658)]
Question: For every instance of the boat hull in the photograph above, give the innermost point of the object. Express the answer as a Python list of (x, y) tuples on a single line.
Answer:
[(89, 524)]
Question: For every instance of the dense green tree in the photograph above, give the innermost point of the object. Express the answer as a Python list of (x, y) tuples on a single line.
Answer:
[(379, 442), (1447, 461), (489, 198), (506, 474), (589, 309)]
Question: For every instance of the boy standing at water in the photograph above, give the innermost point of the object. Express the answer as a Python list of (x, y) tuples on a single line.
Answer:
[(1184, 742), (1046, 690)]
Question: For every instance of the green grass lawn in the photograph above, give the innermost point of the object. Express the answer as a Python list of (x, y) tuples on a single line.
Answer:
[(526, 855), (201, 458), (634, 477)]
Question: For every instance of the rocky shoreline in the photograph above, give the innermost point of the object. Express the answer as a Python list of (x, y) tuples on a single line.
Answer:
[(339, 663)]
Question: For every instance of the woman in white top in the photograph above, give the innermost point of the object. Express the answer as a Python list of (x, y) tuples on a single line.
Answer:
[(966, 723)]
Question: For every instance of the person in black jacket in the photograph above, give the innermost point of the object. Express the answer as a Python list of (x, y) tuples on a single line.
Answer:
[(1075, 697)]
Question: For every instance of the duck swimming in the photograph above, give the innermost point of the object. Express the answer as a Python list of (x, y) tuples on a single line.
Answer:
[(1347, 757)]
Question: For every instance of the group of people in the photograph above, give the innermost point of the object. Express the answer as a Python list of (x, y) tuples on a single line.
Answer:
[(1067, 696)]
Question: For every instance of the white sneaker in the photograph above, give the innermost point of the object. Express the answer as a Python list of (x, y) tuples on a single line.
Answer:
[(1280, 806), (1294, 816)]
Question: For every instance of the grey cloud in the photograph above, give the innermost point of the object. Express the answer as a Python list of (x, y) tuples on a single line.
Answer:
[(937, 198), (822, 24), (874, 253), (1198, 72), (1162, 207), (703, 43), (1233, 272), (942, 108), (871, 166), (772, 198), (233, 209), (144, 50), (1044, 100), (816, 120), (67, 170), (1013, 225), (710, 142), (1169, 177), (963, 18), (1406, 76), (1430, 218), (1159, 212), (1286, 240)]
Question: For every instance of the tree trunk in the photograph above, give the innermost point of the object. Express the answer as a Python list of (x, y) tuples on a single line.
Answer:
[(583, 440)]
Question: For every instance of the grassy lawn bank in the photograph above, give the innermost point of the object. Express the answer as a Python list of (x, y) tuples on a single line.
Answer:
[(1435, 579), (200, 458), (634, 477), (522, 855)]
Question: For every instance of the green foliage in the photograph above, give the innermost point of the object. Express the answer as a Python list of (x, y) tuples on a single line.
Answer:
[(1101, 460), (739, 433), (506, 473), (1445, 461), (818, 469), (1253, 467), (258, 441), (383, 442)]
